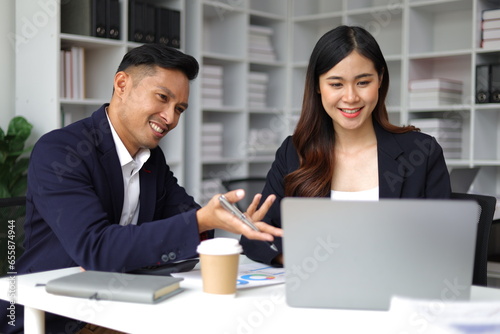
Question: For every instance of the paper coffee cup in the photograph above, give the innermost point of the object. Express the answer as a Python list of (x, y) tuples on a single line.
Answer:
[(219, 259)]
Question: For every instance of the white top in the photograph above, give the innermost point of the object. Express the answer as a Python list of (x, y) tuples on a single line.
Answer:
[(364, 195), (131, 182)]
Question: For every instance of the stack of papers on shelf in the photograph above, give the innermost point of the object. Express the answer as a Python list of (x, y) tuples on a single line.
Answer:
[(490, 29), (435, 92), (262, 141), (72, 73), (447, 132), (257, 88), (260, 46), (211, 86), (211, 140)]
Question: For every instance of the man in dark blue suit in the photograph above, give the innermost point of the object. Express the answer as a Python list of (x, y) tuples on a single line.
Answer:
[(100, 194)]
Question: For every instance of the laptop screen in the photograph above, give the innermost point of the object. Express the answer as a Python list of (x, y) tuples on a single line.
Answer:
[(357, 255)]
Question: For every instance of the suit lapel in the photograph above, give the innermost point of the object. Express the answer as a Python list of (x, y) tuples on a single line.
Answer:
[(391, 173), (109, 161), (148, 178)]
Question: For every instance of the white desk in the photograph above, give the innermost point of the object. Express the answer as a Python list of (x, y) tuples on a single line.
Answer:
[(257, 310)]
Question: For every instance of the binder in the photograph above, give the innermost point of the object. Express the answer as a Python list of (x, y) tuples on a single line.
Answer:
[(113, 19), (136, 21), (149, 23), (495, 83), (482, 83), (76, 17), (162, 25), (175, 28), (99, 18)]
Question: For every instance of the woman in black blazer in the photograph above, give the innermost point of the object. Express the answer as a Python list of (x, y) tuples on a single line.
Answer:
[(344, 146)]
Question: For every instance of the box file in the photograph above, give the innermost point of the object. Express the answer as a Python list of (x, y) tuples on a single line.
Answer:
[(99, 18), (136, 21), (495, 83), (162, 25), (113, 19), (175, 26), (482, 83), (149, 23), (84, 17)]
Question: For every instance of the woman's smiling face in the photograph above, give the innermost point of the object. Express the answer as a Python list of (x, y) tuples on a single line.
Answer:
[(349, 91)]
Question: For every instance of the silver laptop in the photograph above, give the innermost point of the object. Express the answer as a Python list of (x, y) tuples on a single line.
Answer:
[(357, 255)]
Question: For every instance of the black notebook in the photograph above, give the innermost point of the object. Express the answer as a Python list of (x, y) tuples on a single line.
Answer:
[(102, 285)]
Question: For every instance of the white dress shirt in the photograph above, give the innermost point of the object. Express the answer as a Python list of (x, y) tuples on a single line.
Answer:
[(131, 183)]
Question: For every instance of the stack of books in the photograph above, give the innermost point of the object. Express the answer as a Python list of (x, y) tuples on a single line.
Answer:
[(211, 85), (448, 133), (260, 47), (262, 141), (490, 29), (72, 73), (257, 88), (211, 140), (435, 92)]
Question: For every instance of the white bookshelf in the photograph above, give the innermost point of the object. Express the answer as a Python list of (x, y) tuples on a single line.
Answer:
[(219, 36), (37, 71), (420, 39)]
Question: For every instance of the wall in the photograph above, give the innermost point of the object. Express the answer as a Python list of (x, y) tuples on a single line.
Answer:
[(7, 62)]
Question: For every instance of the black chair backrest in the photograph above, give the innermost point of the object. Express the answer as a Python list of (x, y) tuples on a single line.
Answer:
[(252, 186), (487, 204), (12, 215)]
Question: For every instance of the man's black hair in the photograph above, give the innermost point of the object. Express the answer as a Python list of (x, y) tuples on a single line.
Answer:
[(157, 54)]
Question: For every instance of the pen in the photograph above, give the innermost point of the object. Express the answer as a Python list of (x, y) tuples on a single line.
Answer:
[(241, 216)]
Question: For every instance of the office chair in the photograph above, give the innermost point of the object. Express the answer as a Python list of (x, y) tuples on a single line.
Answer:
[(12, 216), (487, 204), (252, 185)]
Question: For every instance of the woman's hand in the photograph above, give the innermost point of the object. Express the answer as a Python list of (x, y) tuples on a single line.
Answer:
[(214, 215)]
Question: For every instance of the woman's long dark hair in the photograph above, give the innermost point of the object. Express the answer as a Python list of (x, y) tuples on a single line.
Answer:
[(314, 134)]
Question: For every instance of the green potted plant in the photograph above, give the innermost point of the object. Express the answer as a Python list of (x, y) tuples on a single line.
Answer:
[(13, 183), (13, 166)]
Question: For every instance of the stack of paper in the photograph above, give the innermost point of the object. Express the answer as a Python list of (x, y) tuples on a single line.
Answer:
[(72, 73), (259, 43), (211, 85), (447, 132), (490, 29), (257, 88), (435, 92), (211, 140)]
